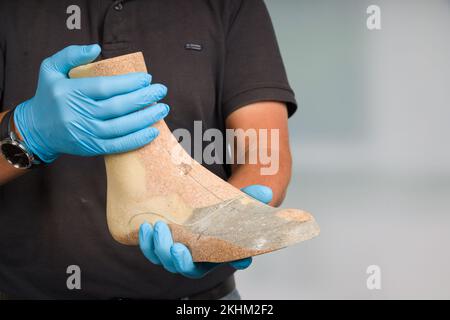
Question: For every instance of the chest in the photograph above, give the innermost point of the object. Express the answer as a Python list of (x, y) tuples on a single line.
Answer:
[(182, 42)]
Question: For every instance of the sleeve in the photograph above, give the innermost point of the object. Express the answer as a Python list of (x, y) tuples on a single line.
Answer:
[(254, 69)]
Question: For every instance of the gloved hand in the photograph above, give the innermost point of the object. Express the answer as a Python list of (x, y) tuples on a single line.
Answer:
[(157, 244), (88, 116)]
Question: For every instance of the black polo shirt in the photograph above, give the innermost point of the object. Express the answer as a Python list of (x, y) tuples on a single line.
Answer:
[(214, 56)]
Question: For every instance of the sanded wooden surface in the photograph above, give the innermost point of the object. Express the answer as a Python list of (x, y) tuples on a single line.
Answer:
[(161, 181)]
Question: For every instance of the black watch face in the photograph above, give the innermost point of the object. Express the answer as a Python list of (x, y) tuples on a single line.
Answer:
[(15, 155)]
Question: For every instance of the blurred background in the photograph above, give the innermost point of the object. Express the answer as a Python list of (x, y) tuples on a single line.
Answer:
[(371, 158)]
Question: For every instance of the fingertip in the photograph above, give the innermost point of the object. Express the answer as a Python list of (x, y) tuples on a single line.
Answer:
[(182, 258), (178, 249), (146, 243), (167, 109), (144, 137), (267, 194), (158, 226), (147, 79), (145, 224), (161, 90), (145, 239), (161, 228), (95, 48), (152, 133), (159, 112), (92, 51), (144, 229), (259, 192), (162, 87), (138, 80), (242, 264), (141, 233), (144, 79)]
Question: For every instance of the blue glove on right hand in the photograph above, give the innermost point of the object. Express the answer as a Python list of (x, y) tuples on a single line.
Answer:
[(88, 116)]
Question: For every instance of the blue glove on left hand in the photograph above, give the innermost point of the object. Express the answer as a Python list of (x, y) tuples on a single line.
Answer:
[(157, 245)]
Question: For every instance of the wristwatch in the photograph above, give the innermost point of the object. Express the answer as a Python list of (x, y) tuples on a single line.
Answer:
[(14, 150)]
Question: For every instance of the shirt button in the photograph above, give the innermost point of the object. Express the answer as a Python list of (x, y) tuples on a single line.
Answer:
[(118, 6)]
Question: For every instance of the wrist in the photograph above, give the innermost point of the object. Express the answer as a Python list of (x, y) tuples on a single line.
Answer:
[(25, 132), (16, 130), (12, 148)]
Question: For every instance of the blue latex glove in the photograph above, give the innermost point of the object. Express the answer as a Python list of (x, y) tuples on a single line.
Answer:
[(157, 244), (88, 116)]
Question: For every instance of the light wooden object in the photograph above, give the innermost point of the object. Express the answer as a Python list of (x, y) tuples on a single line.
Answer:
[(161, 181)]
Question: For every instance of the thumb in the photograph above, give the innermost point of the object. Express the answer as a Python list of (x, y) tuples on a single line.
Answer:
[(71, 57), (259, 192)]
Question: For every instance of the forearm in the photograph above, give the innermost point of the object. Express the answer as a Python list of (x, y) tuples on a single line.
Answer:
[(7, 171), (267, 159), (248, 174)]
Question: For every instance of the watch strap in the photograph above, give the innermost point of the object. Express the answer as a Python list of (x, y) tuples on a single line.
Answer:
[(7, 133), (5, 125)]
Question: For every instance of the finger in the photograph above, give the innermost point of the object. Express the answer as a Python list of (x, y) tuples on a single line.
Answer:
[(184, 264), (163, 242), (182, 259), (72, 56), (130, 123), (129, 142), (259, 192), (101, 88), (126, 103), (146, 243), (241, 264)]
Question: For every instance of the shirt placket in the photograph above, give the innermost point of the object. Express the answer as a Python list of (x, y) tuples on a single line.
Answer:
[(116, 32)]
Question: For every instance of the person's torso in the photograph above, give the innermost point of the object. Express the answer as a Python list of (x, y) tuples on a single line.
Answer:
[(54, 217)]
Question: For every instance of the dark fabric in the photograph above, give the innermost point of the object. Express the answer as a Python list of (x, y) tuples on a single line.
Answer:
[(5, 125), (54, 216), (219, 292)]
